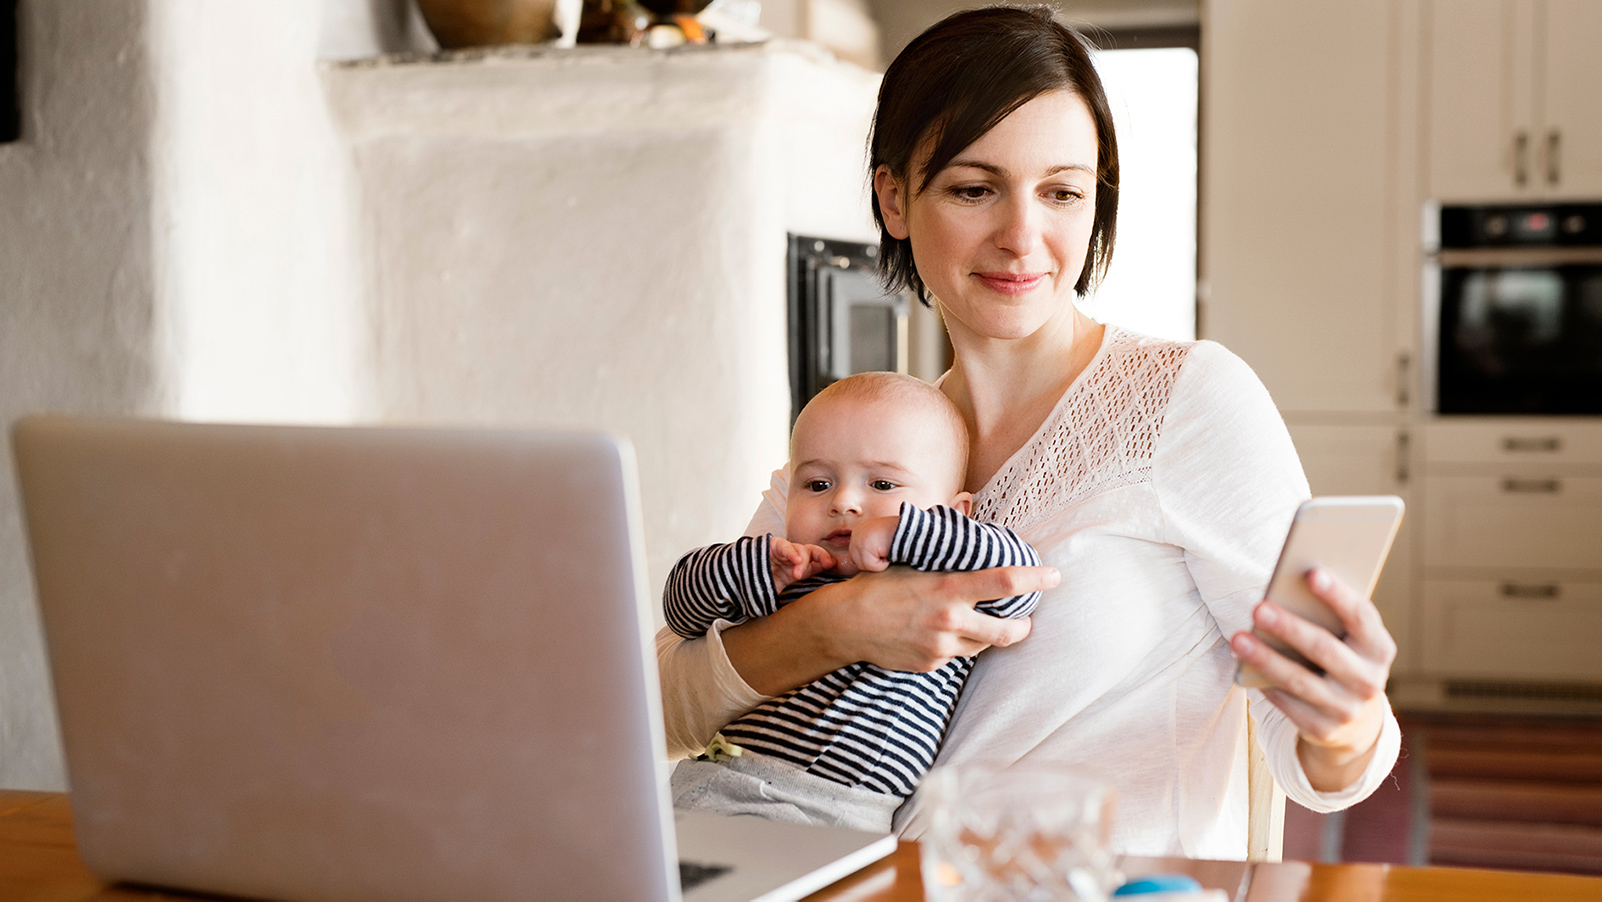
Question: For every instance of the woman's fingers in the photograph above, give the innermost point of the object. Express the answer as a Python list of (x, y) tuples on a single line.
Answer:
[(970, 635), (902, 619), (1288, 675), (1309, 720), (1365, 630), (998, 582), (1343, 664)]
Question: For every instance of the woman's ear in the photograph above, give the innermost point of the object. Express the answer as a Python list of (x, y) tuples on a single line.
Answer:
[(892, 202), (963, 503)]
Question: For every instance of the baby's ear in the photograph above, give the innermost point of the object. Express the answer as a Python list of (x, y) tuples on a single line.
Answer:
[(963, 503)]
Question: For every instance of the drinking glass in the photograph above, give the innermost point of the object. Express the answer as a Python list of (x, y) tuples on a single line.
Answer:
[(1025, 832)]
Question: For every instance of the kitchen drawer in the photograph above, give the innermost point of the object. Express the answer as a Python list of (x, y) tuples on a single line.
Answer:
[(1513, 629), (1514, 519), (1514, 440)]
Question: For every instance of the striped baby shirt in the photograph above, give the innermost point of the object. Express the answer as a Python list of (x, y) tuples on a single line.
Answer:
[(861, 725)]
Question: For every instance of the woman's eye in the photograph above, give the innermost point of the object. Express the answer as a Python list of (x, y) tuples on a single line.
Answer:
[(817, 485), (1066, 195), (882, 485), (970, 192)]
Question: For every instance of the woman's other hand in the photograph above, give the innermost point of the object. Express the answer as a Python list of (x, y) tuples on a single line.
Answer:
[(899, 619), (1339, 714)]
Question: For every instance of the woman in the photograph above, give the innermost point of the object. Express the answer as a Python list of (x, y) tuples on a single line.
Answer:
[(1155, 477)]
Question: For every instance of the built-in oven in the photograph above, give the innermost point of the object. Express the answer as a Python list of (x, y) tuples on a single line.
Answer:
[(1513, 318), (841, 319)]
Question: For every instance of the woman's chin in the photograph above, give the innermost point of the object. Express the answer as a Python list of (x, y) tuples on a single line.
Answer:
[(1016, 327)]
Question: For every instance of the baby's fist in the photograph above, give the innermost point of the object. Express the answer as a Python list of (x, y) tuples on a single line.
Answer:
[(870, 543), (793, 561)]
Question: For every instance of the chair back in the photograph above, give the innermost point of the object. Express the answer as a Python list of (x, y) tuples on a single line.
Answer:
[(1265, 815)]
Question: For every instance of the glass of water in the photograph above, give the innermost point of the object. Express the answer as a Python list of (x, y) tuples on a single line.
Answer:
[(1025, 832)]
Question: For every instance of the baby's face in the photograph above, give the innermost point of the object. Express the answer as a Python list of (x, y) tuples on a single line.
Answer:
[(855, 459)]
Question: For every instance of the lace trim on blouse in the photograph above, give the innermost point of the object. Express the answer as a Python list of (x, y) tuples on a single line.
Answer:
[(1100, 436)]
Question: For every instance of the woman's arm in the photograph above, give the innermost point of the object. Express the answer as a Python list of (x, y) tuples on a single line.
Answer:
[(1230, 481), (898, 619), (701, 692)]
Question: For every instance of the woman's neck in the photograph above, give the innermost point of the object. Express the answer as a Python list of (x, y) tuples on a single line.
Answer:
[(1005, 388)]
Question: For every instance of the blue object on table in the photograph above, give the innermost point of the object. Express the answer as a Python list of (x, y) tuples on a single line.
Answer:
[(1159, 883)]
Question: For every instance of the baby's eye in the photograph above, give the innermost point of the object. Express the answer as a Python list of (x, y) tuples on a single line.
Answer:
[(882, 485), (817, 485)]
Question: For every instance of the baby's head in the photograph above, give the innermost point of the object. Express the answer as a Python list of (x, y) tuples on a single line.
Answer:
[(864, 445)]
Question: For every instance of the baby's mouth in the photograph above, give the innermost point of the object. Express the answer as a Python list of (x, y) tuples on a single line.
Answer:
[(838, 537)]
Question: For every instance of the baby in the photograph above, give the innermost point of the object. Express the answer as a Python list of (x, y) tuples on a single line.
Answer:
[(877, 463)]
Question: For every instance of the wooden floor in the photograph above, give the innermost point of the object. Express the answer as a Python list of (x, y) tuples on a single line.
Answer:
[(1518, 793), (1506, 792)]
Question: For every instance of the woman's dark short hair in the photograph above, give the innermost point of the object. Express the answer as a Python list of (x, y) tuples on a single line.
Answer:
[(957, 81)]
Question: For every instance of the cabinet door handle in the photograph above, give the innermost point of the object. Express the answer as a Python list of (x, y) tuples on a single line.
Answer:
[(1525, 590), (1404, 362), (1521, 158), (1532, 486), (1553, 145), (1526, 443), (1402, 443)]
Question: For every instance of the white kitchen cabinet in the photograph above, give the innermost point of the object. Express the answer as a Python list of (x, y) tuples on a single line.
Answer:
[(1300, 169), (1513, 629), (1565, 443), (1573, 99), (1516, 518), (1513, 107), (1366, 459)]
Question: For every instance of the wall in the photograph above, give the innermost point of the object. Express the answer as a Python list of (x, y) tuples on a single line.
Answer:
[(254, 231), (596, 238), (78, 310), (188, 230), (174, 240)]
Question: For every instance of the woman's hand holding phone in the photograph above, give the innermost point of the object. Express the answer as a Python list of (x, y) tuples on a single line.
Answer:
[(1339, 713), (1319, 650)]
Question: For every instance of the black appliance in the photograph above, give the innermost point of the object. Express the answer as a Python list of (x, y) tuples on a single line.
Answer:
[(841, 319), (1516, 309)]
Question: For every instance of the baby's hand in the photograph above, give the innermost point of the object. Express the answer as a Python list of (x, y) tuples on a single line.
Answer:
[(870, 543), (793, 562)]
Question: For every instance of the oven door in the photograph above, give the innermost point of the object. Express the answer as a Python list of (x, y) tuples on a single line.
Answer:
[(1518, 334), (841, 320)]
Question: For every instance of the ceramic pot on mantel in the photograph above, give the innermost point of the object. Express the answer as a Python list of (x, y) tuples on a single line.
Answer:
[(482, 23)]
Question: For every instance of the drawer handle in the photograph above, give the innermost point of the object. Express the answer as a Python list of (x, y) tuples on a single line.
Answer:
[(1517, 590), (1533, 486), (1521, 158), (1517, 443)]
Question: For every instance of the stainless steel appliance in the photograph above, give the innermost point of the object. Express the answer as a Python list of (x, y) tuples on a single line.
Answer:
[(1514, 309), (841, 319)]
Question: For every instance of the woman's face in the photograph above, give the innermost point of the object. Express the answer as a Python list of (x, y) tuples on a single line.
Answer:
[(1001, 234)]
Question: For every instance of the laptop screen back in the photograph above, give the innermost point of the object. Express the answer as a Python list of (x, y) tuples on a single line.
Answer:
[(351, 663)]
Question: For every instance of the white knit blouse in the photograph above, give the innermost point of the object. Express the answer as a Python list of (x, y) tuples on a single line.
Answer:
[(1161, 486)]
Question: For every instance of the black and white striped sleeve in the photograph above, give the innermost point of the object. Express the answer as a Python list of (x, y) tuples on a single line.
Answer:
[(942, 539), (727, 582)]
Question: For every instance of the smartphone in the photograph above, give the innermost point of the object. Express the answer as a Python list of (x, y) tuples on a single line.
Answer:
[(1348, 535)]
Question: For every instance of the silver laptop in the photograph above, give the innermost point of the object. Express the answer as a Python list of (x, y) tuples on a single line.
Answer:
[(318, 663)]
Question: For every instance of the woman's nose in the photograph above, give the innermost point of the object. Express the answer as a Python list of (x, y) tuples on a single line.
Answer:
[(1019, 228)]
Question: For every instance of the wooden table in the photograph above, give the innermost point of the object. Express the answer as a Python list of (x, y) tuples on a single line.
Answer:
[(39, 861)]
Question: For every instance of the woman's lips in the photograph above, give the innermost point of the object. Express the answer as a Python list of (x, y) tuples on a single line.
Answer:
[(1011, 283)]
